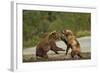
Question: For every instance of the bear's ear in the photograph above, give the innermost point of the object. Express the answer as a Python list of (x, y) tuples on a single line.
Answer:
[(69, 32), (53, 33)]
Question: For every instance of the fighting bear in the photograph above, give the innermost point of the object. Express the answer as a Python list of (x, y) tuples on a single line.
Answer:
[(71, 42), (48, 43)]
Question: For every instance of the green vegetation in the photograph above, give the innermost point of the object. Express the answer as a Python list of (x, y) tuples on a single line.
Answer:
[(83, 33), (37, 24)]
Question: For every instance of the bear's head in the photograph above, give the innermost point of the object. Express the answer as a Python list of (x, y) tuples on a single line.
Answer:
[(54, 35), (67, 32)]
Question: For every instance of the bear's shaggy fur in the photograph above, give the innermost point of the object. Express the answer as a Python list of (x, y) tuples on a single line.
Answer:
[(48, 43), (72, 43)]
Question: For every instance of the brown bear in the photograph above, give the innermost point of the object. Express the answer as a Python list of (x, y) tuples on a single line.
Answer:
[(71, 42), (48, 43)]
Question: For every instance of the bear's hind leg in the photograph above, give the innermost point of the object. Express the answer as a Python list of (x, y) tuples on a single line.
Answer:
[(80, 55), (72, 54), (56, 52)]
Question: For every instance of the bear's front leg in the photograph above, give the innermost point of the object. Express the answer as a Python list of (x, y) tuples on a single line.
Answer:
[(68, 47)]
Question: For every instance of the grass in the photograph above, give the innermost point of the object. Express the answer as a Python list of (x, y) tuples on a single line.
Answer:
[(83, 33)]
